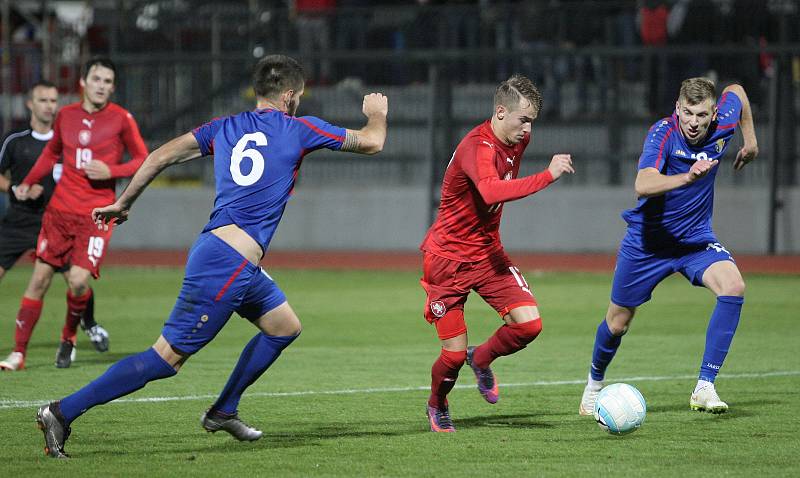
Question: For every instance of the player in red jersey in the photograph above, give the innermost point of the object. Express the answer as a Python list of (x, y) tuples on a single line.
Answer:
[(462, 250), (20, 227), (90, 136)]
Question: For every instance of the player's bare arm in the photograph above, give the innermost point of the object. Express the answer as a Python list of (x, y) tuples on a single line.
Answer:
[(5, 183), (178, 150), (370, 138), (650, 182), (749, 150)]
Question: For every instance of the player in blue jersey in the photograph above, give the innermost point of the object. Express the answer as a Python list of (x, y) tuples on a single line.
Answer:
[(257, 155), (670, 229)]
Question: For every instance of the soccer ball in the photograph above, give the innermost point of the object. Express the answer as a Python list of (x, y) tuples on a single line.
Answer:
[(620, 409)]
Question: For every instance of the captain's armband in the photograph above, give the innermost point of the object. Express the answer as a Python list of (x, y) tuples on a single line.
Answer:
[(351, 142)]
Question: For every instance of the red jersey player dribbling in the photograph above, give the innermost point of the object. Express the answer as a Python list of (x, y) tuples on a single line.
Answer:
[(90, 136), (462, 250)]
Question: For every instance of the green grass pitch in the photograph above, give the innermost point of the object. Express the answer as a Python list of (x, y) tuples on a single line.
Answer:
[(347, 399)]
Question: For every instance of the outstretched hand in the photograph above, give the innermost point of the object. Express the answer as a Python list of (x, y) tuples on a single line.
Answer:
[(560, 164), (700, 169), (109, 215), (744, 156)]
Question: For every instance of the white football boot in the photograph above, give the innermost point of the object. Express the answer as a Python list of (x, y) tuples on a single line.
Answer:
[(589, 397), (705, 399), (14, 361)]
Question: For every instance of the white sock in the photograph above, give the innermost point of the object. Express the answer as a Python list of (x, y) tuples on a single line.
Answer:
[(703, 384), (594, 384)]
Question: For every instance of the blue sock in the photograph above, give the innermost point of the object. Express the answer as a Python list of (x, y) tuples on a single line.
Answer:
[(256, 358), (605, 347), (124, 377), (719, 335)]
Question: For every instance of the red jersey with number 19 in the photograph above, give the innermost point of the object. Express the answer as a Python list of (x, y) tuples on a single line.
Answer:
[(479, 179), (81, 137)]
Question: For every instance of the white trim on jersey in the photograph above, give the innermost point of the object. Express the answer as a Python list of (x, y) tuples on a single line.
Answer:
[(9, 138), (42, 137)]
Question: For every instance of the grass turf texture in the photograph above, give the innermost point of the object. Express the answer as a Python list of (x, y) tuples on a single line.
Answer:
[(364, 330)]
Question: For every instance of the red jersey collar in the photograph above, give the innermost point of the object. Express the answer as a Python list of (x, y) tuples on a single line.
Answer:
[(95, 112), (487, 127)]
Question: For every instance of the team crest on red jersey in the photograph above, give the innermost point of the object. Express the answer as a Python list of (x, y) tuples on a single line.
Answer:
[(84, 136), (438, 308)]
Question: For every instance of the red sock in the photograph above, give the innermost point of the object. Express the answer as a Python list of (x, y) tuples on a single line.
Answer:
[(443, 376), (505, 341), (75, 308), (29, 312)]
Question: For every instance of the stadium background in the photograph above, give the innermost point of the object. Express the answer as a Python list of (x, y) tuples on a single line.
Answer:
[(607, 71), (346, 399)]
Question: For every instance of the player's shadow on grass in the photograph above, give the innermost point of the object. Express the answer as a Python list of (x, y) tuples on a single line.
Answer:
[(520, 420), (92, 357), (85, 354), (222, 443), (320, 433), (742, 409)]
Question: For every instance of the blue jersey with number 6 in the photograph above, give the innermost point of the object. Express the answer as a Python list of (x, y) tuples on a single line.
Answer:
[(257, 155)]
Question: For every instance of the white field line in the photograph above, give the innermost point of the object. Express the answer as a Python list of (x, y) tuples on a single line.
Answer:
[(14, 404)]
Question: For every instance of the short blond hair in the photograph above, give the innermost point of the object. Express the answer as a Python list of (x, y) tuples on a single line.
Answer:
[(696, 90), (513, 89)]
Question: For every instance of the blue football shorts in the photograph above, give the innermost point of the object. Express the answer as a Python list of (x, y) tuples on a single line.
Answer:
[(637, 273), (218, 282)]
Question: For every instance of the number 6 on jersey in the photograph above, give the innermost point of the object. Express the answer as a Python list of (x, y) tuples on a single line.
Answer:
[(240, 152)]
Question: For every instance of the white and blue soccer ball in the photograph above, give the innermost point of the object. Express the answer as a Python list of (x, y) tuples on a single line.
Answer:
[(620, 409)]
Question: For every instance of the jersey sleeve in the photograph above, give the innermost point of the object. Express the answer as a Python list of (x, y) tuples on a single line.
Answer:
[(657, 145), (49, 157), (729, 110), (483, 173), (136, 148), (316, 133), (5, 156), (205, 134)]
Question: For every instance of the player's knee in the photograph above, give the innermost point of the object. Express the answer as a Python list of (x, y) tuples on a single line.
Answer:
[(454, 359), (734, 288), (618, 329), (288, 326), (526, 332), (78, 284), (293, 328)]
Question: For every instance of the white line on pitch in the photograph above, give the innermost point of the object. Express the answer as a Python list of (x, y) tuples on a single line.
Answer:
[(11, 404)]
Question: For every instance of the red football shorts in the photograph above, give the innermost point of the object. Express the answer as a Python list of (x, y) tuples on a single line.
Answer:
[(448, 283), (72, 239)]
